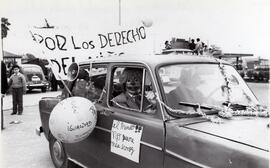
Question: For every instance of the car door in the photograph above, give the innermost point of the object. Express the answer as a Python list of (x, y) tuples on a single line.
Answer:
[(89, 152), (97, 151), (120, 145)]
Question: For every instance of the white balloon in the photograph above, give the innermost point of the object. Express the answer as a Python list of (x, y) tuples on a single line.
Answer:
[(147, 22), (73, 119)]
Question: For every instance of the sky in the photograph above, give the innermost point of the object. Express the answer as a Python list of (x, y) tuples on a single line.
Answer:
[(237, 26)]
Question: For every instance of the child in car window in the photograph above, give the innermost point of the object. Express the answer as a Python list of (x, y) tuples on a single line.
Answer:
[(131, 79)]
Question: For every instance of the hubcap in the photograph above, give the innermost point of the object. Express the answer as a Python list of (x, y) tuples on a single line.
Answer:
[(58, 152)]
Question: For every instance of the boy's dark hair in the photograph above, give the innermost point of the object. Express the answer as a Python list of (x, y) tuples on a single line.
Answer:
[(16, 66)]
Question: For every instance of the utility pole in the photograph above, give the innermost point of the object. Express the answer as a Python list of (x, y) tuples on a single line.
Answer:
[(119, 12), (4, 32), (2, 113)]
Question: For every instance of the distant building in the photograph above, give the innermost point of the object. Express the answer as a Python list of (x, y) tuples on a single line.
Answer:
[(9, 57), (253, 62), (234, 58)]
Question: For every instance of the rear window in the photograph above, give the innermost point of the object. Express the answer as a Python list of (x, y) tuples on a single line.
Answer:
[(90, 83), (32, 70), (29, 72)]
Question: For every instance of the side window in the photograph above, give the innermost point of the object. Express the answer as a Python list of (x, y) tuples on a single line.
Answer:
[(132, 90), (90, 83)]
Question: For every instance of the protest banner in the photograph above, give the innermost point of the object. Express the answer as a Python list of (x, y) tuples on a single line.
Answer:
[(63, 47)]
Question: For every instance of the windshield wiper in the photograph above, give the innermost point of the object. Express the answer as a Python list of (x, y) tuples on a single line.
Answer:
[(198, 108), (238, 106), (235, 106), (197, 105)]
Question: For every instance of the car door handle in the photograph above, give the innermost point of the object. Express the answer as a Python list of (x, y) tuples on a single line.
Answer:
[(105, 112)]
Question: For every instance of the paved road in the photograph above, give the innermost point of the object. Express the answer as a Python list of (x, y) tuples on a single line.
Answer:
[(22, 148), (261, 91), (29, 99)]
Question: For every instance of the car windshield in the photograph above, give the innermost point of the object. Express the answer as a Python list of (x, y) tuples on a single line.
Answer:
[(33, 71), (203, 84)]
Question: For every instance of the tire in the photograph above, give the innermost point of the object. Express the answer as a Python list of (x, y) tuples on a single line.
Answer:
[(54, 86), (44, 89), (57, 153)]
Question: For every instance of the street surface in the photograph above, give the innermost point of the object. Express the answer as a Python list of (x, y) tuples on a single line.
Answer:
[(22, 148)]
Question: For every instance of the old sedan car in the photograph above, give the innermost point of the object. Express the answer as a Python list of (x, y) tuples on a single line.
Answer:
[(34, 76), (259, 73), (203, 119)]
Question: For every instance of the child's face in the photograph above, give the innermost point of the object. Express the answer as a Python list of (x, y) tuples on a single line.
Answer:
[(16, 70)]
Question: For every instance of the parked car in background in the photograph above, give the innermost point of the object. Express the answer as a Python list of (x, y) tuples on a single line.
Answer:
[(34, 76), (175, 126), (259, 73)]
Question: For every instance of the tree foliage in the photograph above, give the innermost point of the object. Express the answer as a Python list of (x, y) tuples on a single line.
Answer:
[(4, 27)]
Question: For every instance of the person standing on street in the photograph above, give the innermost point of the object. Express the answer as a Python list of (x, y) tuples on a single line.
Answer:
[(198, 47), (53, 81), (168, 45), (18, 85), (4, 88), (192, 44)]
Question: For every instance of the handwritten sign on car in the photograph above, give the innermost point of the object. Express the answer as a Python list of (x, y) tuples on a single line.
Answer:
[(125, 140)]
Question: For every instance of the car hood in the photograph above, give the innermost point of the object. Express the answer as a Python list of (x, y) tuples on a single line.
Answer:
[(251, 131)]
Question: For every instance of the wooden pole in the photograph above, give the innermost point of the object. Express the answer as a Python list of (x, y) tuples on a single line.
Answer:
[(2, 113), (119, 9)]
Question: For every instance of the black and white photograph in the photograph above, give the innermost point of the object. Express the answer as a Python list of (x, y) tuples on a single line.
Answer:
[(135, 84)]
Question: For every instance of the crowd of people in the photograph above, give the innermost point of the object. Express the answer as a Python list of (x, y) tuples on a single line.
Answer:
[(197, 48)]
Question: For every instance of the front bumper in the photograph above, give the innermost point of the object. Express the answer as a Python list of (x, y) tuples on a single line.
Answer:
[(38, 85)]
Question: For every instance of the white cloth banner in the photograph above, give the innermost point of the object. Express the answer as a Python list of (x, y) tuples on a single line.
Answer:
[(62, 47)]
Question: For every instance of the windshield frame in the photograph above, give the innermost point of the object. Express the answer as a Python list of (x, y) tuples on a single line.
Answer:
[(162, 91)]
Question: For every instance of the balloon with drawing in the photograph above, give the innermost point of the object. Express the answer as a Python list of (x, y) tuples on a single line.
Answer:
[(73, 119)]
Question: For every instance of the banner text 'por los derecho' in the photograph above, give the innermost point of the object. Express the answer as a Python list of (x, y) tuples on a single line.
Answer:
[(111, 39)]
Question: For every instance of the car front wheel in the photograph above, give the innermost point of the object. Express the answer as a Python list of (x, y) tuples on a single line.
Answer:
[(43, 89), (57, 152)]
